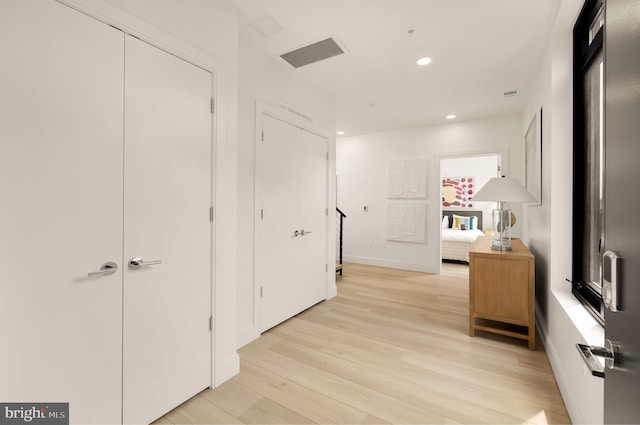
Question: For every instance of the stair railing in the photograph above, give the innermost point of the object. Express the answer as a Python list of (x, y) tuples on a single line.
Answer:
[(342, 216)]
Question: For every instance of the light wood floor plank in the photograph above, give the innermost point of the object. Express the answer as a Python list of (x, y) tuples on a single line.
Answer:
[(316, 406), (199, 411), (391, 348)]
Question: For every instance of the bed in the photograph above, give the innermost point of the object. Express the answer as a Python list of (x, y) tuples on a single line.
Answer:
[(460, 228)]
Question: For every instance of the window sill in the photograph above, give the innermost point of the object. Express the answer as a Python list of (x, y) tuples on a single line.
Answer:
[(587, 326)]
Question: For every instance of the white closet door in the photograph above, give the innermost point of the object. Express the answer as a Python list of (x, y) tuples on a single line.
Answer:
[(292, 193), (61, 107), (167, 354), (312, 198)]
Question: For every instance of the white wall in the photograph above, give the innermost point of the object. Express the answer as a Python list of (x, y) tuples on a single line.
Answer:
[(206, 32), (266, 79), (562, 321), (361, 165)]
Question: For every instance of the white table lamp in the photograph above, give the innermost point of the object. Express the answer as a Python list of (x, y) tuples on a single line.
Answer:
[(502, 190)]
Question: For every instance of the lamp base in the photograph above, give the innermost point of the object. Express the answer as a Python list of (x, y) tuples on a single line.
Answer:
[(500, 248), (502, 220)]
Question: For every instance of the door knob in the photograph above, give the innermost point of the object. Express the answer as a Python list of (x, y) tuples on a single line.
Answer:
[(106, 269), (303, 232), (137, 263), (296, 234)]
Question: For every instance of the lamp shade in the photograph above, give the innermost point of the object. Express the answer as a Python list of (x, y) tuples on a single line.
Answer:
[(503, 189)]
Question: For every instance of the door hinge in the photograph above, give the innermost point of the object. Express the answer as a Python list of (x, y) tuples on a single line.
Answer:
[(261, 214), (327, 156), (213, 105), (326, 212), (261, 292), (263, 136), (326, 268), (210, 323), (211, 214)]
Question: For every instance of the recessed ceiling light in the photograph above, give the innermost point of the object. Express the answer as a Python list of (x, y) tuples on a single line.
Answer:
[(423, 61), (450, 116), (340, 133)]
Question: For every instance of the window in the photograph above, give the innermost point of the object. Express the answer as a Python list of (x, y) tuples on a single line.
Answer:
[(588, 161)]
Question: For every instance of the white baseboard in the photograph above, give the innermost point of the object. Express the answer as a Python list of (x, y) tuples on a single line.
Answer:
[(332, 291), (575, 413), (229, 368), (380, 262), (245, 336)]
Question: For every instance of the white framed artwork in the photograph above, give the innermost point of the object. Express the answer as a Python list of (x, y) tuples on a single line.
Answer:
[(533, 157), (406, 221), (407, 179)]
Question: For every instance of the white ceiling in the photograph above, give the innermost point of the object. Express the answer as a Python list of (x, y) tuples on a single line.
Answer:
[(480, 49)]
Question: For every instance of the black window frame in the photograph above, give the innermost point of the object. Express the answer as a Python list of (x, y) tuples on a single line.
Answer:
[(585, 51)]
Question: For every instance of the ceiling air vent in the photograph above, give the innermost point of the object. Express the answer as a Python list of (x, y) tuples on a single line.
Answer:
[(313, 53), (266, 25)]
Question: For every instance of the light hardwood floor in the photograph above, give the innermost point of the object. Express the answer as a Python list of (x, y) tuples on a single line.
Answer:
[(392, 347)]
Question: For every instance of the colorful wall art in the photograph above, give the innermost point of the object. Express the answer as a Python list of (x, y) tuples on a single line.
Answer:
[(457, 192)]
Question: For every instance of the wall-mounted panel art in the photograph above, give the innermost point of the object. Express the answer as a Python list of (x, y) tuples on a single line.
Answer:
[(533, 158), (406, 221), (457, 192), (407, 178)]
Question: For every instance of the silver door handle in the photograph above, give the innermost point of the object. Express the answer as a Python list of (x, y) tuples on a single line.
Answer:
[(137, 263), (303, 232), (296, 234), (106, 269), (610, 353), (611, 280)]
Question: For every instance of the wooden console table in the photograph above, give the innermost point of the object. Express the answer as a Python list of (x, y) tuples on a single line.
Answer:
[(502, 290)]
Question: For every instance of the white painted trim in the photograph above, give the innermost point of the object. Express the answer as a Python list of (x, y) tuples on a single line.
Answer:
[(246, 335), (332, 287), (230, 367), (265, 108), (257, 216), (129, 24), (109, 14), (392, 264)]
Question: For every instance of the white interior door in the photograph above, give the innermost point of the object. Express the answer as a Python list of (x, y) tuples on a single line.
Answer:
[(167, 341), (61, 108), (312, 219), (292, 194)]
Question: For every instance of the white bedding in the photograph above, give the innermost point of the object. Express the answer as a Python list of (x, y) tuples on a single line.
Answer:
[(461, 235), (457, 243)]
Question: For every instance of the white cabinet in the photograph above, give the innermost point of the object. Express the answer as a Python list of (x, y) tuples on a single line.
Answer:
[(104, 156)]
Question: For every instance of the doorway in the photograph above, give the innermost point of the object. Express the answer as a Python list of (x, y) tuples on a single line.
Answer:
[(462, 175)]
